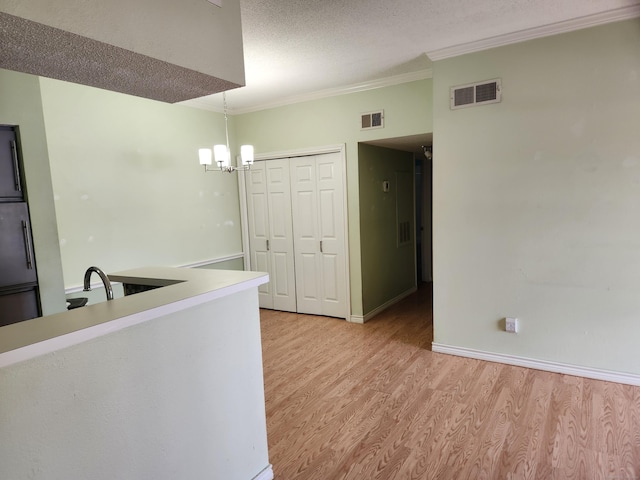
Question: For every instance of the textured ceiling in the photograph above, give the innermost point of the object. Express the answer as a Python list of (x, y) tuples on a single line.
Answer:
[(294, 48)]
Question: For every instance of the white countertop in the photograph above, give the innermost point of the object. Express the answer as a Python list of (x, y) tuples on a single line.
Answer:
[(182, 288)]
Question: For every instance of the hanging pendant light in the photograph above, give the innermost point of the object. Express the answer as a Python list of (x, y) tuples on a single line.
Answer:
[(222, 153)]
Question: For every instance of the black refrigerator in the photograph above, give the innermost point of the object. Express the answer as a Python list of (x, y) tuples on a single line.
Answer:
[(19, 298)]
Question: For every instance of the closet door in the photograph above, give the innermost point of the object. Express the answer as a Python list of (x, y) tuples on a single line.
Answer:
[(258, 217), (331, 202), (306, 235), (270, 233), (318, 225)]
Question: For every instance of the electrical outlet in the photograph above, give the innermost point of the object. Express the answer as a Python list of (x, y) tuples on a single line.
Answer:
[(511, 324)]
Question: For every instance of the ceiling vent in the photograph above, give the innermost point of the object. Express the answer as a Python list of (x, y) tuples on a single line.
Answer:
[(372, 120), (476, 94)]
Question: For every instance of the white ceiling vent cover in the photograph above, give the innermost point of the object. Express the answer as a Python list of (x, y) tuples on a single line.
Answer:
[(480, 93), (371, 120)]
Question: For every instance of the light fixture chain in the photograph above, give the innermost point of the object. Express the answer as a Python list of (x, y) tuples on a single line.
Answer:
[(224, 164), (226, 126)]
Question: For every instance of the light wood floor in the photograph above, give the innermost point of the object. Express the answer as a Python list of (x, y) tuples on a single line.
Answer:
[(348, 401)]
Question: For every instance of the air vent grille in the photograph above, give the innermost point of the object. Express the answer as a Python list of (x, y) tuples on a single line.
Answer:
[(371, 120), (476, 94), (464, 96), (404, 233)]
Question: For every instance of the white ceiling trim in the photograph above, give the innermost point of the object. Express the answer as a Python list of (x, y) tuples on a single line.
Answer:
[(333, 92), (610, 16)]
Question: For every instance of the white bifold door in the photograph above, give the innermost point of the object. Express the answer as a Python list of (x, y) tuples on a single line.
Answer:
[(270, 233), (297, 233)]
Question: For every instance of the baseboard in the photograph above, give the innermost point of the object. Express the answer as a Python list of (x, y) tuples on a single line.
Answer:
[(384, 306), (266, 474), (555, 367)]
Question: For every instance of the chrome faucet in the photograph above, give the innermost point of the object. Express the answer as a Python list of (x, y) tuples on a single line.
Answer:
[(103, 277)]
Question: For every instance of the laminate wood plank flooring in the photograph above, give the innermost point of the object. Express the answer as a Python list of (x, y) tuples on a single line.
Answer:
[(349, 401)]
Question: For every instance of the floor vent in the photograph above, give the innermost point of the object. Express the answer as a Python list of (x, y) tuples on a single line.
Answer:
[(372, 120), (476, 94)]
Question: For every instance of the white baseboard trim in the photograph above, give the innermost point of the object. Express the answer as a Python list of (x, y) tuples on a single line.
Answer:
[(555, 367), (266, 474), (384, 306)]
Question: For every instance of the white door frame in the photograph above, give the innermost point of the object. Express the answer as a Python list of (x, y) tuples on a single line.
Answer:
[(302, 152)]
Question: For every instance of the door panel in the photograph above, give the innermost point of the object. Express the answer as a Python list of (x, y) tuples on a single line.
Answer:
[(332, 233), (330, 277), (18, 306), (309, 296), (281, 235), (306, 235), (260, 263), (258, 214), (281, 278), (17, 262), (270, 233), (328, 214), (280, 228), (10, 183)]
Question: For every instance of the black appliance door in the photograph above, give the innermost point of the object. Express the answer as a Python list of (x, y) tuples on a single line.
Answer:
[(17, 262), (19, 305), (10, 183)]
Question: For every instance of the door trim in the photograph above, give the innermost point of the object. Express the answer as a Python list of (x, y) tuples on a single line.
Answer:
[(301, 152)]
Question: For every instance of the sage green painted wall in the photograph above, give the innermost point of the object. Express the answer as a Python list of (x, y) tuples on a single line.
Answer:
[(20, 105), (129, 191), (234, 264), (336, 120), (388, 269), (536, 200)]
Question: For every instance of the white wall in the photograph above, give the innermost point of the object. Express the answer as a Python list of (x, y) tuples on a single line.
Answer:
[(178, 397), (537, 200), (128, 189)]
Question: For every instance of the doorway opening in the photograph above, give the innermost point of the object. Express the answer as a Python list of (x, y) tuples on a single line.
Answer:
[(423, 192)]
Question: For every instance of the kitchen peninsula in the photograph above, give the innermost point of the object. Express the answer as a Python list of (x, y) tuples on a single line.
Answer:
[(162, 384)]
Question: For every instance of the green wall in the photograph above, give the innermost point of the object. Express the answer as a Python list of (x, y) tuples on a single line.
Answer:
[(128, 189), (536, 200), (20, 105), (336, 120), (388, 269)]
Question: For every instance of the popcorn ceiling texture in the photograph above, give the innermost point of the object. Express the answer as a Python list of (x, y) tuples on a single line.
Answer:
[(32, 47)]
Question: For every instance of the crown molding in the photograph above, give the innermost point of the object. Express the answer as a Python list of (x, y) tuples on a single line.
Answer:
[(619, 14), (334, 92)]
